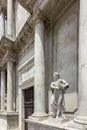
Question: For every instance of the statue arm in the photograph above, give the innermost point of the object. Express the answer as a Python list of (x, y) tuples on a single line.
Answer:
[(65, 84), (53, 86)]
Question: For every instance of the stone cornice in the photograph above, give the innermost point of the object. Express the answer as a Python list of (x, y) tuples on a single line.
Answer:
[(24, 34), (27, 84), (26, 63), (28, 30)]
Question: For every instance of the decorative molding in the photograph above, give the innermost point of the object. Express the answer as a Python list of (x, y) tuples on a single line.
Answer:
[(27, 84), (25, 33), (26, 63), (29, 44), (38, 16)]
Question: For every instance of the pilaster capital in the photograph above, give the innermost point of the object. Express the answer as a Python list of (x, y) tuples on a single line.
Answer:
[(11, 56), (2, 69), (8, 56), (38, 17), (7, 44)]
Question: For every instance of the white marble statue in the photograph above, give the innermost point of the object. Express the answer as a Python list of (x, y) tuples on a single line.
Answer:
[(58, 87)]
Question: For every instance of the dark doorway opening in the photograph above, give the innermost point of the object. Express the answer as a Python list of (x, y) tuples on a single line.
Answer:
[(28, 103)]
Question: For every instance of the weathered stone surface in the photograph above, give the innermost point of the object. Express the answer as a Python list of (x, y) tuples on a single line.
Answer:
[(66, 54), (9, 121)]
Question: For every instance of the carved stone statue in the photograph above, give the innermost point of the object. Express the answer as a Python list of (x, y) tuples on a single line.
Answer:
[(58, 87)]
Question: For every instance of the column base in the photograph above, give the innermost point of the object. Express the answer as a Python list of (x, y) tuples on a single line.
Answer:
[(81, 120), (39, 116), (10, 111), (1, 111)]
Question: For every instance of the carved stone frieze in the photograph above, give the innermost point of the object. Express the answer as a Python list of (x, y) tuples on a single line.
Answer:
[(27, 84)]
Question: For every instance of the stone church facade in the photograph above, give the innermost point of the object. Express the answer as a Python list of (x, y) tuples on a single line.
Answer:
[(38, 38)]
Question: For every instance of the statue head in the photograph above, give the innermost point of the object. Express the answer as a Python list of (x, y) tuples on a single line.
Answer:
[(56, 75)]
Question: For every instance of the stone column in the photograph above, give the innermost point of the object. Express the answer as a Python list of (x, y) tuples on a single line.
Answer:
[(39, 88), (3, 85), (10, 18), (2, 24), (82, 109), (9, 86)]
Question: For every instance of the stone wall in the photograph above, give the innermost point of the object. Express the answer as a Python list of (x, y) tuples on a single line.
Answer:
[(48, 65), (42, 126), (65, 54), (26, 64)]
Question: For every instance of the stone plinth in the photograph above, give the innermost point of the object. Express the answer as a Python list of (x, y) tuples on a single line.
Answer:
[(48, 124), (9, 121)]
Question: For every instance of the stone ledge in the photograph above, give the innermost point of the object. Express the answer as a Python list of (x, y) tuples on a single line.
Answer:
[(51, 123), (9, 120), (8, 113), (26, 63), (28, 83)]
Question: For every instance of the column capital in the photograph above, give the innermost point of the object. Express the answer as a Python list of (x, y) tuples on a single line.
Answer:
[(38, 17), (9, 56), (2, 69)]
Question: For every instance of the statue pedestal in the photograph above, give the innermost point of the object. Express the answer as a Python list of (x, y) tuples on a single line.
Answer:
[(58, 120), (9, 121)]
